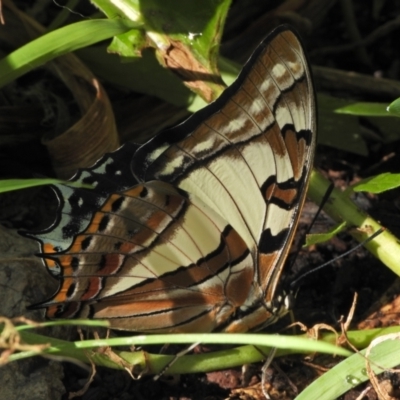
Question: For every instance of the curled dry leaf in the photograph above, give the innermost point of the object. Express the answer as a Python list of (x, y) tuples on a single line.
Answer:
[(87, 140), (95, 132), (381, 389)]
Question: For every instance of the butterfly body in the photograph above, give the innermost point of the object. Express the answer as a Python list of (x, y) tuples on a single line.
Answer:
[(196, 242)]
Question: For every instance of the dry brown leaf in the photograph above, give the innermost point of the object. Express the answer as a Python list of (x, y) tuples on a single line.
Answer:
[(95, 132)]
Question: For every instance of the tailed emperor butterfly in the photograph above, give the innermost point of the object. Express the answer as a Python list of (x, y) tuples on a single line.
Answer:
[(189, 232)]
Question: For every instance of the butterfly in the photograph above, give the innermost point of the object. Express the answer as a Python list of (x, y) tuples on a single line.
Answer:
[(189, 232)]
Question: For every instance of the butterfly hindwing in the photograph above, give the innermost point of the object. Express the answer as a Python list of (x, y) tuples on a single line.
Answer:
[(141, 265), (78, 203)]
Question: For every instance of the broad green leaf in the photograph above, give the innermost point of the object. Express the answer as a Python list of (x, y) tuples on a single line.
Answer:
[(316, 238), (365, 109), (378, 184), (145, 75), (142, 75), (388, 129), (186, 35), (338, 130), (198, 25), (57, 43), (394, 108)]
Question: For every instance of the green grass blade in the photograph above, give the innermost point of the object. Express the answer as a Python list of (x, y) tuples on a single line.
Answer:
[(351, 372), (188, 364), (223, 359), (279, 341), (57, 43), (8, 185)]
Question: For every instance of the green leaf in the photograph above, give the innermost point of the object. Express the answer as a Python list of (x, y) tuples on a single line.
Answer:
[(198, 25), (338, 130), (128, 44), (129, 9), (229, 70), (57, 43), (352, 371), (378, 184), (316, 238), (185, 34), (8, 185), (394, 108), (365, 109), (143, 75), (389, 127)]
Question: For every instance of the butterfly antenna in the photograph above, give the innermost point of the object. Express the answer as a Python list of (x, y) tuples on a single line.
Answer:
[(378, 232), (303, 237), (321, 206)]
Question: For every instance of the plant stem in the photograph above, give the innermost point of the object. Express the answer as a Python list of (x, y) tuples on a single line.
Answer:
[(386, 247)]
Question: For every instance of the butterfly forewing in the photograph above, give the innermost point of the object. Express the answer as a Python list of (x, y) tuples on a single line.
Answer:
[(248, 156), (200, 244)]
